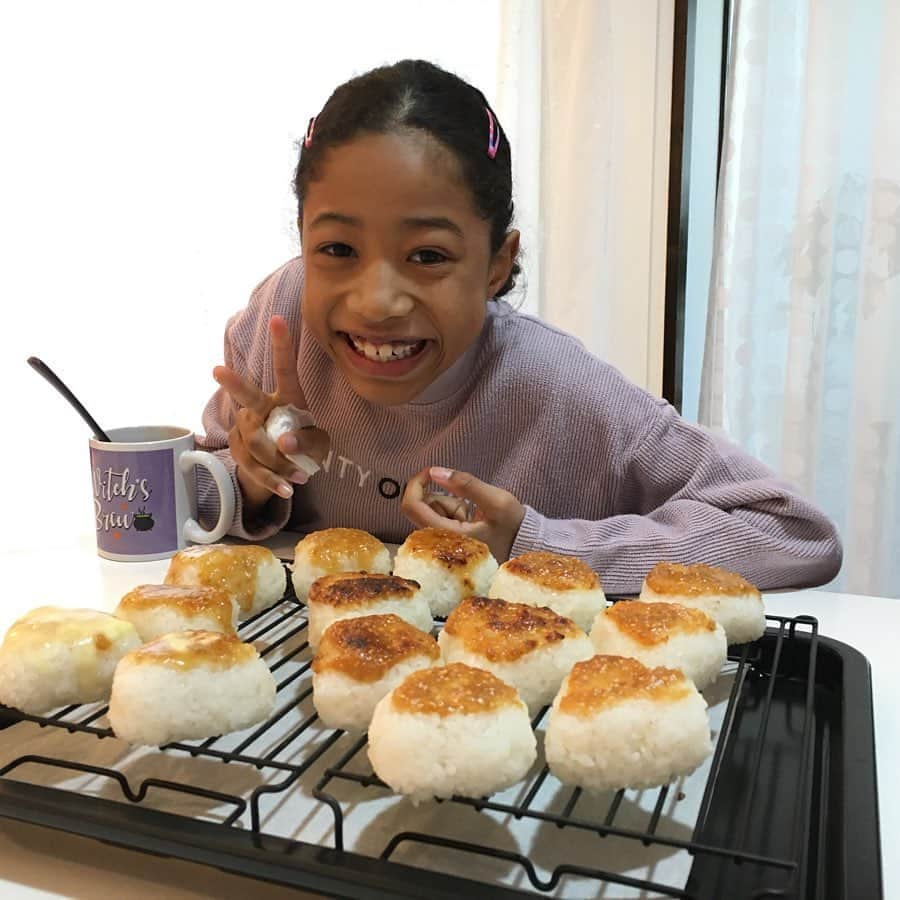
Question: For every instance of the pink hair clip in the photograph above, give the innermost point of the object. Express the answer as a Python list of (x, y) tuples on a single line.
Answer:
[(309, 132), (493, 135)]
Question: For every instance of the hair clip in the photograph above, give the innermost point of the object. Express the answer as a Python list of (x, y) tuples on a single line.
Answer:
[(309, 132), (493, 135)]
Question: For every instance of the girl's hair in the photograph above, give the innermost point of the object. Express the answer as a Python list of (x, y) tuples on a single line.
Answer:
[(414, 94)]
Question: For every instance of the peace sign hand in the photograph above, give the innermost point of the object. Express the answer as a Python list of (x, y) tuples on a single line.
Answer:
[(263, 468), (474, 508)]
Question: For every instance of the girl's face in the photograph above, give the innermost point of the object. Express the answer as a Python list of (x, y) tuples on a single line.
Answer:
[(397, 263)]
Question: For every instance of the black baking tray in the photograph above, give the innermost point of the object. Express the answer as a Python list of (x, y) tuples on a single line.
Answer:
[(789, 807)]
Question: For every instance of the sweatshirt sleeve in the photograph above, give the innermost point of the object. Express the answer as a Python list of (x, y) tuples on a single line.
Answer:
[(684, 495), (247, 351)]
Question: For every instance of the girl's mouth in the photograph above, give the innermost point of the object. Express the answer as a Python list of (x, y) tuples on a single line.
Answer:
[(375, 357)]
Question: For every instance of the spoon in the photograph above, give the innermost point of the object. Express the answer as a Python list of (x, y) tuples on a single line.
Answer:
[(42, 368)]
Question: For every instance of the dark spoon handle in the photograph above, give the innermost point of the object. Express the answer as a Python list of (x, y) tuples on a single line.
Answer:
[(42, 368)]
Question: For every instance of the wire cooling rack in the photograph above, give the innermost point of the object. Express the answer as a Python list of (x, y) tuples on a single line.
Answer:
[(294, 802)]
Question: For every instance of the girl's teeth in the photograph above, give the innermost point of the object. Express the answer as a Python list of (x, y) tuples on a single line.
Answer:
[(382, 352)]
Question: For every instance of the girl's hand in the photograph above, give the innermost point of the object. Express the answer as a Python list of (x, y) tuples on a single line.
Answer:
[(261, 469), (475, 509)]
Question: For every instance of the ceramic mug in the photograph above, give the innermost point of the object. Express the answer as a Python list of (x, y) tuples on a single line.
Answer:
[(145, 499)]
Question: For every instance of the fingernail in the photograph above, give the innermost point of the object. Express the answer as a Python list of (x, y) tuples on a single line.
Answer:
[(285, 490), (440, 473), (299, 477), (288, 443)]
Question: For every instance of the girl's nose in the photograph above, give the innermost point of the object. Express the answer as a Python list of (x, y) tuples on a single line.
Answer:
[(380, 294)]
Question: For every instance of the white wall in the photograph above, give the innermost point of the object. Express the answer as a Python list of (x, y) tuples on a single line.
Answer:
[(145, 175)]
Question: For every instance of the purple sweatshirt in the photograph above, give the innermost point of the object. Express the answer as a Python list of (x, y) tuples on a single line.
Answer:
[(606, 471)]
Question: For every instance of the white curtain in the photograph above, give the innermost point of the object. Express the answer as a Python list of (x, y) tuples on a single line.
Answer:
[(585, 93), (800, 364)]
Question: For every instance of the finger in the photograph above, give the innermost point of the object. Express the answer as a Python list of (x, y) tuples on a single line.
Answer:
[(313, 442), (461, 484), (415, 506), (424, 516), (249, 470), (264, 452), (253, 445), (450, 507), (245, 392), (284, 363), (415, 490), (266, 478), (249, 442)]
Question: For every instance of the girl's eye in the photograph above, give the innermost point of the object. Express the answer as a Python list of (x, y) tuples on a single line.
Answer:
[(428, 257), (339, 250)]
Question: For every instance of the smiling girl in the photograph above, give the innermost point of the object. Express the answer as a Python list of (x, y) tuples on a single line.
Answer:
[(436, 403)]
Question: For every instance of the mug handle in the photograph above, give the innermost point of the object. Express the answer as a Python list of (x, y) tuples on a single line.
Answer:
[(193, 530)]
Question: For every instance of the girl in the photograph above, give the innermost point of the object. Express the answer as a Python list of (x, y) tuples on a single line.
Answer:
[(390, 330)]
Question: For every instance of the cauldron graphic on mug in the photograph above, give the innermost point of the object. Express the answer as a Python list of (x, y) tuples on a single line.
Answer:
[(143, 521)]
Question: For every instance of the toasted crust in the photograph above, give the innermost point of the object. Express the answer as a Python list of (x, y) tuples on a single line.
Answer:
[(229, 567), (604, 681), (367, 647), (184, 650), (350, 589), (677, 580), (453, 689), (553, 570), (331, 546), (191, 600), (501, 631), (454, 552), (655, 623)]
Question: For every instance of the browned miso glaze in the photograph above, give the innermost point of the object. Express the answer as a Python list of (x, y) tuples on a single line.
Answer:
[(330, 548), (604, 681), (552, 570), (453, 551), (231, 568), (456, 688), (655, 623), (185, 650), (365, 648), (501, 631), (190, 600), (348, 589), (696, 580)]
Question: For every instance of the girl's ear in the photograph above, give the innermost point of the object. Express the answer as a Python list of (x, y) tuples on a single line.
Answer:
[(502, 262)]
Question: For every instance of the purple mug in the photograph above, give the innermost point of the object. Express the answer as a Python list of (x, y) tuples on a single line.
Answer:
[(145, 499)]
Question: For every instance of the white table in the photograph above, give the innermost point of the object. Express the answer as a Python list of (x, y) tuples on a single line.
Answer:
[(40, 863)]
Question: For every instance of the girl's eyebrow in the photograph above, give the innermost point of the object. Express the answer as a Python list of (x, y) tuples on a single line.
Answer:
[(411, 223), (339, 218), (433, 222)]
